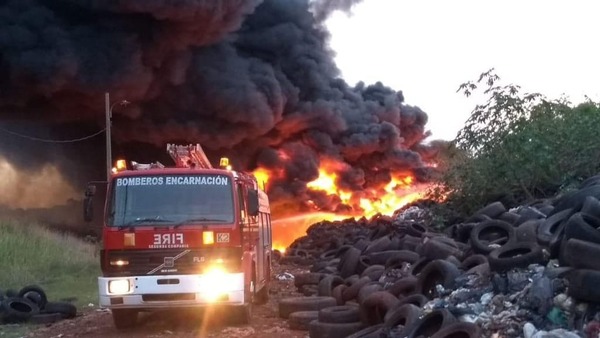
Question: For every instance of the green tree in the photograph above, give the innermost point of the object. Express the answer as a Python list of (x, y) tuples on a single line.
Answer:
[(518, 146)]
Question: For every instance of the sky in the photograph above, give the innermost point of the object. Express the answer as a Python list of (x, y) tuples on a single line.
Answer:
[(427, 48)]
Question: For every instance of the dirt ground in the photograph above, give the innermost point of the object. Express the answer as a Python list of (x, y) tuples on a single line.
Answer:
[(95, 323)]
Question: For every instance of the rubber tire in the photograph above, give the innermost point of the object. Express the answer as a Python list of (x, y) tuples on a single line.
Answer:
[(436, 272), (491, 226), (45, 318), (312, 278), (339, 314), (549, 226), (352, 291), (404, 314), (67, 310), (491, 210), (348, 263), (327, 284), (374, 331), (473, 261), (429, 324), (300, 320), (515, 255), (375, 307), (404, 286), (41, 301), (294, 304), (18, 310), (581, 254)]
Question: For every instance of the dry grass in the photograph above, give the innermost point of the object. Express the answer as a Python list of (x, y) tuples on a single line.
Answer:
[(65, 266)]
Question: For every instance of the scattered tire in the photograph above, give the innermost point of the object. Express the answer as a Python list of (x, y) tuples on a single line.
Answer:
[(374, 307), (492, 210), (300, 320), (374, 331), (515, 255), (405, 315), (583, 285), (307, 278), (35, 294), (18, 310), (295, 304), (339, 314), (429, 324), (65, 309), (491, 231), (581, 254), (434, 273)]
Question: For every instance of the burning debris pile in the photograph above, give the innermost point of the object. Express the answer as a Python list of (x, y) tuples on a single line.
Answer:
[(527, 272)]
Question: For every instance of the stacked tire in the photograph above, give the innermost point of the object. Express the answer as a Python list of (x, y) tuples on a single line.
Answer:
[(31, 305)]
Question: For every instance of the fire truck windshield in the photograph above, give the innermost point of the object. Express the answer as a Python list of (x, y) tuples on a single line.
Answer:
[(170, 200)]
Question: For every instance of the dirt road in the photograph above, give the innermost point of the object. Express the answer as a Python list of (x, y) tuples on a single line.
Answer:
[(95, 323)]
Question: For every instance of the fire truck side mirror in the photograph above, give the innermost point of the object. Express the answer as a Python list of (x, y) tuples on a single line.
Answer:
[(253, 202), (88, 205)]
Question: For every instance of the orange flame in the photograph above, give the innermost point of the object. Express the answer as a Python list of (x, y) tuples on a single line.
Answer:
[(386, 199)]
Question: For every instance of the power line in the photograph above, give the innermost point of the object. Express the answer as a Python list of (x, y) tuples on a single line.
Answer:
[(32, 138)]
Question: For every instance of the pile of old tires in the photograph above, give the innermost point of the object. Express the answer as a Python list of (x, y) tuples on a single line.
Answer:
[(371, 279), (31, 305)]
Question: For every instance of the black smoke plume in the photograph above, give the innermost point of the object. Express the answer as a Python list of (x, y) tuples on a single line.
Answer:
[(251, 79)]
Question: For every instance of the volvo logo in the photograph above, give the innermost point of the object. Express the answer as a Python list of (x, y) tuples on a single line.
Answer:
[(168, 262)]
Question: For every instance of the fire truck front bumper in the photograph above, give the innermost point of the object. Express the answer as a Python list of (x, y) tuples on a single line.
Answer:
[(154, 292)]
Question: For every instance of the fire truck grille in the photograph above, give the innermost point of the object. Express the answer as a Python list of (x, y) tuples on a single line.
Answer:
[(117, 263)]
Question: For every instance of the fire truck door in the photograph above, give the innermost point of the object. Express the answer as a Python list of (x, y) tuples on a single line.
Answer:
[(260, 248)]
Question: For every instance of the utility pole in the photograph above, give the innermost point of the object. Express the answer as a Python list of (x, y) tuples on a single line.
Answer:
[(108, 136)]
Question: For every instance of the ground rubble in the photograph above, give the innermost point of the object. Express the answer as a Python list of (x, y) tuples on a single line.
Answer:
[(530, 271)]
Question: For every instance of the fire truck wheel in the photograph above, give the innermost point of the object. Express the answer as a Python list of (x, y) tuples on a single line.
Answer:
[(125, 318), (244, 313), (262, 296)]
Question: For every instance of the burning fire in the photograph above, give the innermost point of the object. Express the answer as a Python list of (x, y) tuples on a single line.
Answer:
[(398, 192)]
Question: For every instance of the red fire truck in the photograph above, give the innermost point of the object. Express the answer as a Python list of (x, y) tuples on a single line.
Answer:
[(182, 237)]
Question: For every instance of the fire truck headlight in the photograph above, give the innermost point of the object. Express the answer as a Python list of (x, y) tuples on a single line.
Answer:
[(216, 282), (118, 286)]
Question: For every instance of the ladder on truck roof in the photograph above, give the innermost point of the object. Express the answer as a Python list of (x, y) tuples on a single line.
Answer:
[(190, 156)]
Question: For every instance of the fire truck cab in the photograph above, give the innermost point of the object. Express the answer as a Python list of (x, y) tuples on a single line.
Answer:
[(182, 237)]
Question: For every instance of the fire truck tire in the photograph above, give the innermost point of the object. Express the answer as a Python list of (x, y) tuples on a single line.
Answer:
[(404, 315), (375, 307), (261, 297), (244, 313), (17, 310), (434, 273), (429, 324), (293, 304), (35, 294), (124, 318), (491, 231), (67, 310), (327, 284), (318, 329), (459, 329), (300, 320), (339, 314)]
